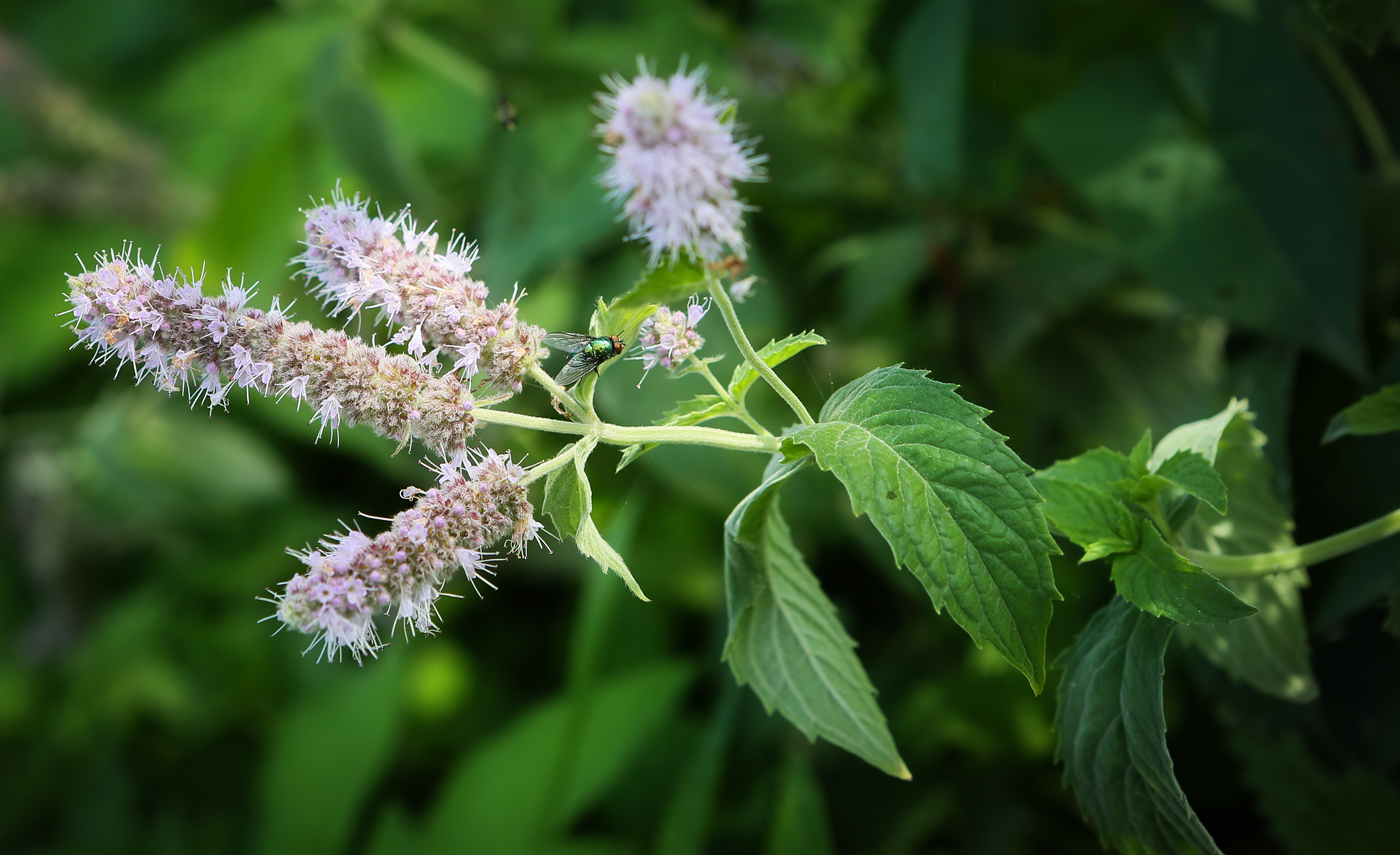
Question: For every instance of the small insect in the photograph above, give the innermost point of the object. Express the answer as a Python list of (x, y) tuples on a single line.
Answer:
[(586, 353), (505, 112)]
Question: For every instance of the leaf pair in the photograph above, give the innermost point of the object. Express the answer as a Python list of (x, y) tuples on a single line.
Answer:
[(1111, 505)]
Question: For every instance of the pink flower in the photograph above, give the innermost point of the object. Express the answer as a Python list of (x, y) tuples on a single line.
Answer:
[(675, 160)]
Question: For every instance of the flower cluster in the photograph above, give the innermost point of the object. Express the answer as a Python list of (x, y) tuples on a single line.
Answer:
[(675, 160), (171, 333), (668, 337), (479, 501), (359, 261)]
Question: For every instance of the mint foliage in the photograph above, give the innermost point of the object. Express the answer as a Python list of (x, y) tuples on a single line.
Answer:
[(952, 501), (773, 353), (1378, 413), (669, 282), (1112, 735), (785, 640), (1159, 581), (568, 499), (1089, 516), (1267, 650), (1192, 472)]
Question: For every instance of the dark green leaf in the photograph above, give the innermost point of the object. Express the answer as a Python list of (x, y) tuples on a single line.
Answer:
[(1269, 649), (1190, 471), (567, 496), (773, 353), (685, 827), (1378, 413), (785, 639), (313, 788), (1088, 516), (665, 283), (951, 499), (497, 798), (1312, 809), (1226, 216), (1365, 22), (1112, 735), (930, 67), (800, 825), (1159, 581)]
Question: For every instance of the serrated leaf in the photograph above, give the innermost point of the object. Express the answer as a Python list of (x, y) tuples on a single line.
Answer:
[(1112, 735), (1088, 515), (785, 640), (1099, 467), (1106, 547), (1190, 471), (773, 353), (951, 499), (1373, 414), (1267, 650), (1202, 437), (1159, 581), (699, 409), (1137, 459), (665, 283), (591, 543), (568, 498)]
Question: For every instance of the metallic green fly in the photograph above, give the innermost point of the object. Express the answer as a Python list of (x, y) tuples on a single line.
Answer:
[(586, 353)]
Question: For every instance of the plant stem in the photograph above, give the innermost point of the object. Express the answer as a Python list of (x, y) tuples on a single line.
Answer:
[(726, 308), (542, 377), (1264, 563), (739, 409), (539, 470), (1363, 112), (626, 435)]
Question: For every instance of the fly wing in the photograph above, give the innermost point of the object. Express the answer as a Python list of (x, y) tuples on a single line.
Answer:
[(569, 341), (576, 369)]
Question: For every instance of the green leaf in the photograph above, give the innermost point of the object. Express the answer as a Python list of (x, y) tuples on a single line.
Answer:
[(621, 321), (1159, 581), (1269, 649), (800, 824), (785, 640), (951, 499), (1100, 467), (1137, 460), (568, 497), (1313, 809), (1088, 516), (591, 543), (1216, 196), (1112, 735), (313, 789), (685, 827), (1365, 22), (506, 796), (773, 353), (665, 283), (930, 67), (699, 409), (1202, 437), (1190, 471), (1378, 413)]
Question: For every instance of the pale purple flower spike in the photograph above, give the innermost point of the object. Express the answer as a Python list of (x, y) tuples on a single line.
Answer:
[(668, 337), (675, 160)]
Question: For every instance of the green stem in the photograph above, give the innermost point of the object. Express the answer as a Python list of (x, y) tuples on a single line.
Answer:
[(1264, 563), (739, 409), (726, 308), (559, 392), (563, 458), (626, 435)]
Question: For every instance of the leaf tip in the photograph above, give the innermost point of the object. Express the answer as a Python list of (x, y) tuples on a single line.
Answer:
[(1339, 427)]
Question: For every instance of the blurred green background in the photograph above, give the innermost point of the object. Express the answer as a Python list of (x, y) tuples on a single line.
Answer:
[(1096, 215)]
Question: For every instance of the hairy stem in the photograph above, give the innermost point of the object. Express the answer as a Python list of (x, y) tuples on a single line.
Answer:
[(726, 308), (626, 435), (739, 409), (542, 377), (563, 458), (1264, 563)]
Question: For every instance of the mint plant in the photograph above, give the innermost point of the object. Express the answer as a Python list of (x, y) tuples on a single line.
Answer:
[(1193, 536)]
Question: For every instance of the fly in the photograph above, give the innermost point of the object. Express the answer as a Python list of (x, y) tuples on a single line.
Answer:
[(586, 353)]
